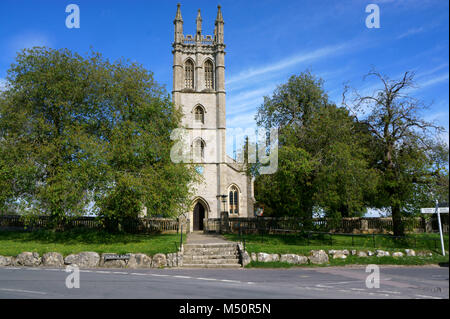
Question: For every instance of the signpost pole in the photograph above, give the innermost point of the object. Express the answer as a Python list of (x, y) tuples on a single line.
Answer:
[(440, 227)]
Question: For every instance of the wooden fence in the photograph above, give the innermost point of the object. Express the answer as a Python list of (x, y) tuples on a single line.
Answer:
[(142, 225), (363, 225)]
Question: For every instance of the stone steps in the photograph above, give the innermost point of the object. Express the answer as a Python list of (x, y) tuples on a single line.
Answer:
[(216, 261), (218, 255), (206, 257)]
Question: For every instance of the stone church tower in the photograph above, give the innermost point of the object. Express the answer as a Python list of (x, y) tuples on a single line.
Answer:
[(199, 91)]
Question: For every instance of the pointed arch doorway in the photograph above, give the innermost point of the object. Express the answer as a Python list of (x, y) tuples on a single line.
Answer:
[(198, 216)]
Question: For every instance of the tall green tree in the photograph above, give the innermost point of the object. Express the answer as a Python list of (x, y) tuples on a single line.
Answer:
[(322, 165), (405, 145), (81, 133)]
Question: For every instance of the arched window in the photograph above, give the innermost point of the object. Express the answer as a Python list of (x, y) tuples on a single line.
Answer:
[(199, 114), (209, 75), (199, 150), (233, 198), (189, 74)]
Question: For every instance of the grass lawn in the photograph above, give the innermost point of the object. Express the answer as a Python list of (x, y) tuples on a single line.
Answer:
[(295, 244), (43, 241)]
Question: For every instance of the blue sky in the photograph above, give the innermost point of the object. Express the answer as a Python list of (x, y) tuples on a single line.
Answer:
[(267, 41)]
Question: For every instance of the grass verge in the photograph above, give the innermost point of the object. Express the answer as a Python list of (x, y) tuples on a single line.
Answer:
[(13, 243), (353, 260), (295, 244)]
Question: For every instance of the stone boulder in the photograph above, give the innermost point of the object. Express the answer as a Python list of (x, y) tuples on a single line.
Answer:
[(370, 253), (6, 261), (410, 252), (112, 263), (174, 260), (382, 253), (83, 259), (28, 259), (397, 254), (318, 257), (361, 254), (139, 261), (263, 257), (254, 257), (354, 252), (159, 261), (246, 259), (52, 259), (339, 255), (294, 259), (424, 254), (275, 257)]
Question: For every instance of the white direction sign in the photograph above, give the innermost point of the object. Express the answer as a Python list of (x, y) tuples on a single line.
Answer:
[(442, 210)]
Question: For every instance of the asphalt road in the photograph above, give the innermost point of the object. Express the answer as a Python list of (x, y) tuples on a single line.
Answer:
[(429, 282)]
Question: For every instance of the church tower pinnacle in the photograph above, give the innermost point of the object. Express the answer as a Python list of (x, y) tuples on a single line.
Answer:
[(198, 23), (178, 25)]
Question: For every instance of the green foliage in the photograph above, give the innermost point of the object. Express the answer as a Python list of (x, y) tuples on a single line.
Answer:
[(80, 133), (322, 154), (406, 152)]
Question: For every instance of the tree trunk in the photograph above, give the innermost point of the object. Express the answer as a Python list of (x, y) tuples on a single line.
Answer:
[(399, 229)]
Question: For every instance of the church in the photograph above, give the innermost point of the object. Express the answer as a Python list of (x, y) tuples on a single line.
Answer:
[(199, 92)]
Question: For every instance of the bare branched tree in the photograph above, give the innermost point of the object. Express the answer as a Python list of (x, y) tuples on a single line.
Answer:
[(392, 115)]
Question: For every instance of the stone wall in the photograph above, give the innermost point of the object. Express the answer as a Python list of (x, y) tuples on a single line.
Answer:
[(94, 260)]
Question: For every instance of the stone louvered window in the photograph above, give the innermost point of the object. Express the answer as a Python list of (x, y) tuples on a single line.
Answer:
[(209, 75), (189, 74), (199, 114), (233, 198)]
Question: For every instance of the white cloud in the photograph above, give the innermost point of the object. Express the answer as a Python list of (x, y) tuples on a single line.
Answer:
[(410, 32), (435, 80), (27, 40), (288, 62)]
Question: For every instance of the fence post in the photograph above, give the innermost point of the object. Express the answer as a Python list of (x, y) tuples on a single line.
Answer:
[(181, 238)]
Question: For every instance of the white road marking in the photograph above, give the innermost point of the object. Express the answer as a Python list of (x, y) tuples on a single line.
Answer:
[(358, 289), (206, 278), (120, 272), (103, 272), (324, 286), (26, 291), (227, 280), (158, 275), (138, 274), (431, 297), (312, 288), (390, 292), (187, 277)]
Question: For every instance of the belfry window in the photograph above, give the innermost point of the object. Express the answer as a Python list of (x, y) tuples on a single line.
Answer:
[(199, 114), (234, 200), (209, 75), (189, 74)]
